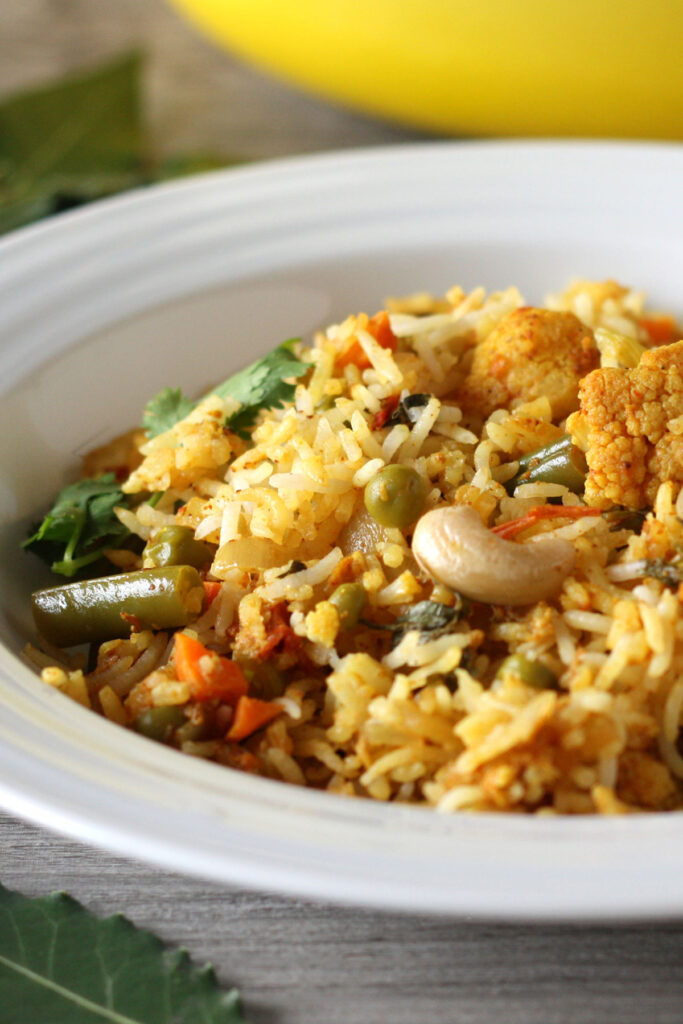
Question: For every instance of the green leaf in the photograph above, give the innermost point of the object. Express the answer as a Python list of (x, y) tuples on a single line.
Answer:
[(78, 139), (80, 525), (262, 385), (430, 618), (165, 410), (60, 963)]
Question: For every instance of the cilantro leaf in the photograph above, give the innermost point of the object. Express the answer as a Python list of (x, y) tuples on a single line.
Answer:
[(261, 385), (165, 410), (59, 962), (80, 525)]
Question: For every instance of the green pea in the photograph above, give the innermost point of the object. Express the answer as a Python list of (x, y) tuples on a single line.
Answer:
[(193, 730), (395, 496), (533, 673), (349, 600), (160, 723), (176, 545)]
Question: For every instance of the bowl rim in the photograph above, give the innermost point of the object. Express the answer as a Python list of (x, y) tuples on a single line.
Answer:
[(248, 831)]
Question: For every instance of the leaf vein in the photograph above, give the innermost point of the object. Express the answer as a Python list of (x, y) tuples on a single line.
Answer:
[(66, 993)]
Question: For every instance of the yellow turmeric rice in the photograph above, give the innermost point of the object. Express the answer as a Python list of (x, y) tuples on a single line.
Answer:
[(443, 566)]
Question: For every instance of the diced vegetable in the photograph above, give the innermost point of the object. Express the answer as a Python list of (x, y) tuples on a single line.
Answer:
[(212, 589), (617, 350), (560, 462), (160, 723), (209, 675), (349, 599), (661, 329), (91, 611), (532, 672), (379, 328), (251, 714), (539, 512), (176, 545), (395, 496)]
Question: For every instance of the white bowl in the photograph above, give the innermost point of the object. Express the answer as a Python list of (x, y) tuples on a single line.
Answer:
[(183, 283)]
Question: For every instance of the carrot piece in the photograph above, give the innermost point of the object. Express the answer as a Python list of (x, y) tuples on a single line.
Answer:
[(207, 673), (661, 329), (539, 512), (212, 590), (251, 714), (389, 406), (379, 326)]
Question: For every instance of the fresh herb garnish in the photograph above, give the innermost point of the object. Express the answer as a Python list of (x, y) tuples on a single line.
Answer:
[(430, 618), (409, 410), (262, 385), (60, 962), (80, 525), (165, 410)]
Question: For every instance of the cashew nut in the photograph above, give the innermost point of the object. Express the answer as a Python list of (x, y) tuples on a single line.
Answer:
[(453, 546)]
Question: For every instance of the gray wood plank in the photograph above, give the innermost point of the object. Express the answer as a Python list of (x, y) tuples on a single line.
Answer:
[(303, 963)]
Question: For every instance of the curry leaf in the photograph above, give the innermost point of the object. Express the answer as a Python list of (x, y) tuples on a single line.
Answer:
[(78, 139), (429, 618), (62, 964)]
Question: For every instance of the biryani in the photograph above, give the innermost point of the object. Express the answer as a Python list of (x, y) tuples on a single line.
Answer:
[(433, 557)]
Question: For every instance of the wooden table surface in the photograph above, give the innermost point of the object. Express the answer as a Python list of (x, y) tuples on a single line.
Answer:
[(297, 962)]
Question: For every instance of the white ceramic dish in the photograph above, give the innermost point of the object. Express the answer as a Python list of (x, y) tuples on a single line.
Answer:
[(180, 285)]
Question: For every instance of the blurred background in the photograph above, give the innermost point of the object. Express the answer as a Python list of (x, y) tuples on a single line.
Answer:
[(197, 97), (334, 75)]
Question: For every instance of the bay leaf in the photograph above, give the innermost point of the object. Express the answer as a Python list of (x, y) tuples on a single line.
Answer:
[(62, 964)]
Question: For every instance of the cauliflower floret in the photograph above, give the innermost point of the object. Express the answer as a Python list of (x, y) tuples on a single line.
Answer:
[(628, 425), (530, 353)]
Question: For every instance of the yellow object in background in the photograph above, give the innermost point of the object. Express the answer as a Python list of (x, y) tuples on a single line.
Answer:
[(504, 67)]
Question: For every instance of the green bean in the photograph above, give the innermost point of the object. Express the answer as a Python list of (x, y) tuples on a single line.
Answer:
[(349, 600), (91, 611), (533, 673), (560, 444), (559, 463), (176, 545), (193, 730), (160, 723)]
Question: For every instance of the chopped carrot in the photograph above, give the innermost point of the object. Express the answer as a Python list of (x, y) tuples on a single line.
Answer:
[(212, 590), (251, 714), (379, 327), (539, 512), (279, 633), (389, 406), (208, 674), (661, 328)]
